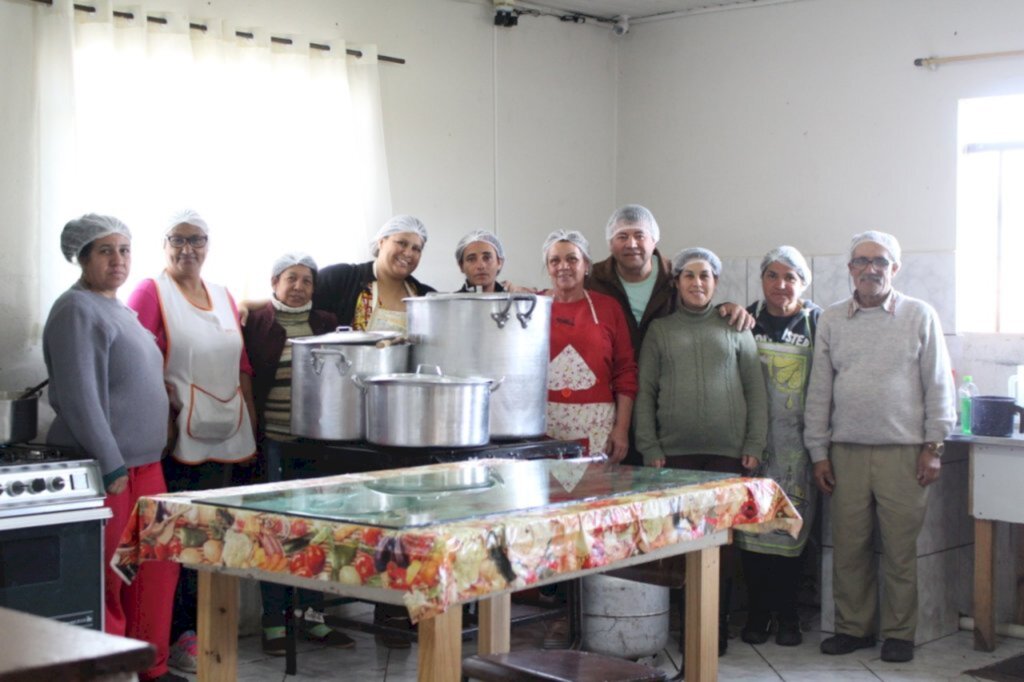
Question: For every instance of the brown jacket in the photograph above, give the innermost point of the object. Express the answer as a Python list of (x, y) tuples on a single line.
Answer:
[(604, 279)]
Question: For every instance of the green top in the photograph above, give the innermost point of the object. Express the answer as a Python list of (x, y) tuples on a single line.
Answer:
[(639, 293), (701, 389)]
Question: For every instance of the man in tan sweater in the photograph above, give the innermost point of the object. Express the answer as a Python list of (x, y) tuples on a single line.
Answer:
[(879, 406)]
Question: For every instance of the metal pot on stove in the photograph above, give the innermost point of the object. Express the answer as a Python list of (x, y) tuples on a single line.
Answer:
[(18, 417), (327, 404), (501, 336), (428, 409)]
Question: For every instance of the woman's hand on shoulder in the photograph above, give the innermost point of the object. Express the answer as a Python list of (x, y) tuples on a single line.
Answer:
[(737, 316)]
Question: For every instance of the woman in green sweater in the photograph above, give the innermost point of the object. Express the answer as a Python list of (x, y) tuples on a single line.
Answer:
[(701, 402)]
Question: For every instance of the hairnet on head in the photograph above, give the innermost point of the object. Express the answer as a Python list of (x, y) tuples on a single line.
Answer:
[(479, 236), (633, 215), (696, 253), (397, 224), (80, 232), (883, 239), (292, 258), (572, 236), (189, 217), (788, 255)]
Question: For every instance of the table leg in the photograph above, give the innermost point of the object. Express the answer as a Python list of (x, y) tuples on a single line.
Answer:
[(440, 647), (495, 624), (984, 585), (217, 627), (700, 659)]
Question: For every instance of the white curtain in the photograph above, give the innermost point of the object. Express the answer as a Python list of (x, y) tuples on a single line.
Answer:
[(279, 147)]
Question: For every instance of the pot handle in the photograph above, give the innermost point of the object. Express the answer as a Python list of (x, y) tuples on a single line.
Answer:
[(358, 381), (496, 384), (524, 318), (429, 369), (318, 362), (501, 317)]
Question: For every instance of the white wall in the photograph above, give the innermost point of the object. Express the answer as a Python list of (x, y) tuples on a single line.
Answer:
[(506, 129), (806, 122)]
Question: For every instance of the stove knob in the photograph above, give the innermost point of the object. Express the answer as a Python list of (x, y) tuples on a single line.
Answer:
[(38, 485), (16, 488), (57, 484)]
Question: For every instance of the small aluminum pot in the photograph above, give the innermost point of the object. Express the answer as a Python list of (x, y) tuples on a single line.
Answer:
[(427, 409), (18, 417)]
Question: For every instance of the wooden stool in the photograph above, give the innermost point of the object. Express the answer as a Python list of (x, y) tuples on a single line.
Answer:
[(538, 665)]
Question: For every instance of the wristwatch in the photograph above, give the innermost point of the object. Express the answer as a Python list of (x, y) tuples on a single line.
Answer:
[(935, 448)]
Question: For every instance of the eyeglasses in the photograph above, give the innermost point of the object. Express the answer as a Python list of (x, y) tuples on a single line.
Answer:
[(879, 262), (196, 241)]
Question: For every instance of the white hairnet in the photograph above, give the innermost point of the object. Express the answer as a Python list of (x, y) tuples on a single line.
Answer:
[(571, 236), (696, 253), (883, 239), (80, 232), (788, 255), (190, 217), (479, 236), (633, 215), (397, 224), (293, 258)]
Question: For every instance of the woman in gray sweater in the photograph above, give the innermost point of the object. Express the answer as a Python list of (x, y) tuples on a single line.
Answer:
[(701, 402), (107, 388)]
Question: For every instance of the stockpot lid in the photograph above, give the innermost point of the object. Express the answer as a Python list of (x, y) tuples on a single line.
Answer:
[(472, 296), (346, 336), (426, 375)]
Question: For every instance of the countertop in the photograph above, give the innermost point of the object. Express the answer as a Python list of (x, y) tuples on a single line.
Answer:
[(1016, 440)]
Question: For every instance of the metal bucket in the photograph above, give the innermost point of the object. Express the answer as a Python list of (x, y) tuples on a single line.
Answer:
[(326, 403), (624, 618), (502, 336), (427, 409)]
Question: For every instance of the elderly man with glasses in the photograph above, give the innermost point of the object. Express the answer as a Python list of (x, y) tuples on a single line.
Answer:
[(879, 406)]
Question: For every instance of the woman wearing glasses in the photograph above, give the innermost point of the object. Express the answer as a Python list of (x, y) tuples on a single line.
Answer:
[(209, 382)]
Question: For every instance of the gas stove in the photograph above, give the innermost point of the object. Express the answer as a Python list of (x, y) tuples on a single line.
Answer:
[(41, 479)]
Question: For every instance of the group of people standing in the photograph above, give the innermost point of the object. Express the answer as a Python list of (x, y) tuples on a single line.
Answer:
[(171, 393)]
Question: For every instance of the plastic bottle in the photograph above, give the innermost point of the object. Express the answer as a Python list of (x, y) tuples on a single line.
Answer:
[(967, 390)]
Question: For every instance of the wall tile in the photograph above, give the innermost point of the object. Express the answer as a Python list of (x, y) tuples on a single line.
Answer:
[(938, 614), (732, 285), (831, 279), (931, 277)]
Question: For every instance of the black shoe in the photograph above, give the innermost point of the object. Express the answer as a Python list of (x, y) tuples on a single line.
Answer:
[(394, 640), (759, 625), (326, 635), (274, 639), (838, 645), (897, 651), (788, 632)]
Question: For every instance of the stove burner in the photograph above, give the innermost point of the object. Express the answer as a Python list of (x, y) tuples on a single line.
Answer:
[(30, 453)]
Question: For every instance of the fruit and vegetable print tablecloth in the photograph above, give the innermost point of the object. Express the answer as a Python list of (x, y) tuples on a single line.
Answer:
[(436, 565)]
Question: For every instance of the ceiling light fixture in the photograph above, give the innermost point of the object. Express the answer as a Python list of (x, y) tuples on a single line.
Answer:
[(505, 13), (621, 26)]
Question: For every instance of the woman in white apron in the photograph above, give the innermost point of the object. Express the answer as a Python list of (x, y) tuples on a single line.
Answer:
[(369, 296), (784, 331), (209, 382)]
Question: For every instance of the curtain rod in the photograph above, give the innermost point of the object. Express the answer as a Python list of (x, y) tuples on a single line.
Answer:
[(936, 61), (241, 34)]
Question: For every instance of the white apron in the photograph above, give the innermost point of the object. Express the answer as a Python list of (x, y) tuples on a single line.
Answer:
[(383, 320), (203, 352)]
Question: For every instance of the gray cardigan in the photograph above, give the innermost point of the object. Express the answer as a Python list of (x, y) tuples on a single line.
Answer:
[(106, 381)]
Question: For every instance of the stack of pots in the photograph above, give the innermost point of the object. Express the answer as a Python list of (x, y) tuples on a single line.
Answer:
[(327, 401), (504, 337)]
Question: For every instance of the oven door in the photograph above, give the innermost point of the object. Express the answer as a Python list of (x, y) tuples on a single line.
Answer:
[(52, 565)]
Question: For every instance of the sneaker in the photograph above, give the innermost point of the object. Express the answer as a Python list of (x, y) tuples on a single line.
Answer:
[(838, 645), (326, 635), (897, 651), (758, 627), (183, 652), (788, 632), (393, 640)]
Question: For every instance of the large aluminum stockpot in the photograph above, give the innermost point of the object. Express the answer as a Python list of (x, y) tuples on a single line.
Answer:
[(18, 417), (427, 409), (503, 336), (326, 403)]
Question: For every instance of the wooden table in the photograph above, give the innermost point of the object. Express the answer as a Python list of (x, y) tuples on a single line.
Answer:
[(578, 518), (996, 472), (33, 648)]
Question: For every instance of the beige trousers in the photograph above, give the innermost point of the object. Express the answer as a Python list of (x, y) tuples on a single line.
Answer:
[(876, 480)]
